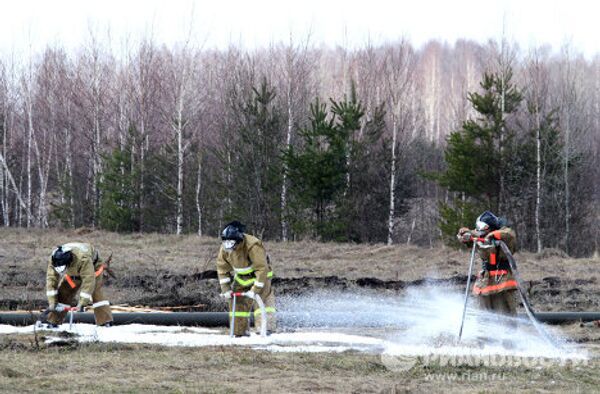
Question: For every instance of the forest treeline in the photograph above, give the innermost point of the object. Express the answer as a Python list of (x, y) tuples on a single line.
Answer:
[(382, 143)]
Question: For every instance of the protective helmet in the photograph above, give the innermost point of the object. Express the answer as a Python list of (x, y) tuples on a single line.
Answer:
[(61, 259), (232, 234), (487, 221)]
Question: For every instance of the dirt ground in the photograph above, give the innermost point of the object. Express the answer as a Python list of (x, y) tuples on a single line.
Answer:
[(141, 368), (162, 270), (168, 270)]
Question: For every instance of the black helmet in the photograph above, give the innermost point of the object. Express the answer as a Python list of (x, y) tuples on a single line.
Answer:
[(487, 221), (233, 231), (61, 258)]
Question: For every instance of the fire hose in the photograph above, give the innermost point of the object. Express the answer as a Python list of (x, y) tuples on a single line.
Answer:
[(59, 308), (263, 314), (526, 305)]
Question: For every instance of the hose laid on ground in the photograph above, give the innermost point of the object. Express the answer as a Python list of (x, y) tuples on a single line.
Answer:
[(520, 287), (290, 319)]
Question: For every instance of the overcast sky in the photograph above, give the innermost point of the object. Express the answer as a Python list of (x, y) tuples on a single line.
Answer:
[(259, 22)]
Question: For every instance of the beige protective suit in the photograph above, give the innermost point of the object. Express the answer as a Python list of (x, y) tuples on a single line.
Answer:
[(245, 268), (84, 274)]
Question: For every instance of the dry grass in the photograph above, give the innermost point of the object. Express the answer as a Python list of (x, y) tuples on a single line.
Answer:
[(29, 249), (140, 368), (24, 254), (136, 368)]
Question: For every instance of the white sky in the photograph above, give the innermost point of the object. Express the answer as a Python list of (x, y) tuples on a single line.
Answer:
[(260, 22)]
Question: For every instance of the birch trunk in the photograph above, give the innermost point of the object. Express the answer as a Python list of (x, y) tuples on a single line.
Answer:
[(69, 170), (199, 195), (180, 158), (29, 162), (5, 201), (16, 189), (288, 143), (392, 181), (566, 181), (538, 197)]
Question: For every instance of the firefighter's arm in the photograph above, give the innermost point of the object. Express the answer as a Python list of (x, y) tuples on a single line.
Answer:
[(258, 256), (223, 272), (465, 236), (505, 234), (88, 281), (52, 279)]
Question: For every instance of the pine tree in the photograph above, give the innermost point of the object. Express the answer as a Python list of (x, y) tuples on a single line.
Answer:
[(317, 173), (119, 209), (480, 153), (252, 156), (329, 172)]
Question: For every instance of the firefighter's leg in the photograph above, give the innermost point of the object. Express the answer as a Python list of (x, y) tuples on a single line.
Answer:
[(102, 312), (485, 302), (65, 296), (507, 305), (510, 300), (243, 306), (504, 302), (268, 298)]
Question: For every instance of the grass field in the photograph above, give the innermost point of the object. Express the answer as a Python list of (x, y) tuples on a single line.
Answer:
[(156, 269), (137, 368)]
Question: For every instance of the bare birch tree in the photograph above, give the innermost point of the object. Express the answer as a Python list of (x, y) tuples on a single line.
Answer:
[(397, 70)]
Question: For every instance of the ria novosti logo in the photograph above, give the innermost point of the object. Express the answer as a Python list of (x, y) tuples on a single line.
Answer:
[(404, 362)]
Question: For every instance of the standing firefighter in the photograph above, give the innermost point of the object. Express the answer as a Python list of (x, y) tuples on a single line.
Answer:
[(243, 266), (76, 266), (495, 285)]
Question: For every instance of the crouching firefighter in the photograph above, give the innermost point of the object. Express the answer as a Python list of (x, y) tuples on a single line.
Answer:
[(495, 285), (243, 266), (76, 267)]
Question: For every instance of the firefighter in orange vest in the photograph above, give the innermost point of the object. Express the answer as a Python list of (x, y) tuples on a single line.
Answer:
[(76, 267), (495, 285), (243, 266)]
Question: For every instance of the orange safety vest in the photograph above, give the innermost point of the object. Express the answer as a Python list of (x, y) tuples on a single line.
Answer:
[(71, 282)]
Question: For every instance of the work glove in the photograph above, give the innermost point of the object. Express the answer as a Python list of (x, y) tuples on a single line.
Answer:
[(60, 307), (464, 235), (227, 295), (249, 294), (80, 306)]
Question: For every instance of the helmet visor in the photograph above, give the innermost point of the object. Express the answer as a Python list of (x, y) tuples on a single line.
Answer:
[(59, 268), (229, 244), (481, 226)]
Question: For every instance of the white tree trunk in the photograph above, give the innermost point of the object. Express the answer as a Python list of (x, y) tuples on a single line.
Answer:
[(392, 182), (538, 197), (5, 200), (199, 195), (288, 143), (69, 170), (16, 189), (180, 158), (566, 182), (29, 163)]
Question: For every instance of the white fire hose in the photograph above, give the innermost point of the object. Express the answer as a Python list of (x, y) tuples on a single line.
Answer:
[(263, 313)]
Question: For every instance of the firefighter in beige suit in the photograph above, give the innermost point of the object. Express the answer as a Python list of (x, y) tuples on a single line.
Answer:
[(243, 266), (495, 286), (72, 267)]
